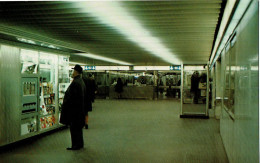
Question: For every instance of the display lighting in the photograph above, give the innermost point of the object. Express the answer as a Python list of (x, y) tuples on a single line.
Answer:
[(112, 67), (102, 58), (77, 63), (254, 68), (240, 10), (151, 68), (29, 55), (194, 68), (36, 43), (115, 16)]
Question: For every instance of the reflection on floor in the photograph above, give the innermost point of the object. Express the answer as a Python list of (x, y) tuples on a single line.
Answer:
[(130, 131)]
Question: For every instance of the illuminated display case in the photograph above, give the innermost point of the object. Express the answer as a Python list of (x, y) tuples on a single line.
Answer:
[(29, 61), (29, 88), (63, 78), (48, 90), (45, 78)]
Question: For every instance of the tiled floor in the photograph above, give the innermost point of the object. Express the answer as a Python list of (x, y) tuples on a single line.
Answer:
[(131, 131)]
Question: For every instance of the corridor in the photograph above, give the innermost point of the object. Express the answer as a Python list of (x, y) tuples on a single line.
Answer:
[(130, 131)]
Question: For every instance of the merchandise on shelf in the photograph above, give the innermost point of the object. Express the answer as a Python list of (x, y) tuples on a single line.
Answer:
[(28, 126), (46, 122)]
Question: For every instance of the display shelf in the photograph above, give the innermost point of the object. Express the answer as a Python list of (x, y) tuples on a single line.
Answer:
[(28, 125), (47, 122), (50, 105), (29, 75), (48, 95), (29, 115), (48, 114)]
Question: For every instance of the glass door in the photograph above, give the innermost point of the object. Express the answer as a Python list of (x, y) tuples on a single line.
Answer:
[(194, 91)]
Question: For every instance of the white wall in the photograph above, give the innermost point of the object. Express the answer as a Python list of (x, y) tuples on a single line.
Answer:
[(240, 134)]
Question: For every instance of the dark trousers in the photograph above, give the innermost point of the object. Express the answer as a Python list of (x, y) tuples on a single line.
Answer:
[(76, 136)]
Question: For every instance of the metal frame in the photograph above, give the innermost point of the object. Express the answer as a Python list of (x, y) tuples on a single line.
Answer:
[(11, 95), (203, 115)]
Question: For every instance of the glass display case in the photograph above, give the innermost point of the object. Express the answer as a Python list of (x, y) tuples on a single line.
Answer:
[(29, 61), (28, 125), (63, 78), (29, 91), (48, 90)]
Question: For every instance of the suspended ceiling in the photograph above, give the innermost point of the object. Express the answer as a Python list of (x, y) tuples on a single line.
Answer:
[(183, 29)]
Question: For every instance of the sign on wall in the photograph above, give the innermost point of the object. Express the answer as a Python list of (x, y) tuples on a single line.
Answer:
[(89, 67), (175, 67)]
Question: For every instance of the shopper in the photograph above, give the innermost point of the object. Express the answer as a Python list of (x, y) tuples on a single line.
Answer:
[(93, 87), (88, 97), (73, 113), (195, 78), (119, 88)]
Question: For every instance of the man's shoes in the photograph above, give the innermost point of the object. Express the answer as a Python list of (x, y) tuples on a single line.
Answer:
[(74, 148), (86, 126)]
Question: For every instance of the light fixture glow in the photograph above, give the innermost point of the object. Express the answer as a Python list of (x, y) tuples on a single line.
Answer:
[(151, 68), (115, 16), (77, 63), (112, 68), (240, 10), (102, 58)]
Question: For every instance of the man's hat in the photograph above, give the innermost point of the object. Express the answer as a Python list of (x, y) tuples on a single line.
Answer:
[(78, 68)]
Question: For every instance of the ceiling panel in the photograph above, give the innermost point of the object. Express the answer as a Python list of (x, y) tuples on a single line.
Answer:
[(185, 27)]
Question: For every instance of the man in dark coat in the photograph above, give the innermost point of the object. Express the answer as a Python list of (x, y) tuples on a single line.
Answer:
[(195, 86), (73, 109), (93, 87), (88, 98), (119, 88)]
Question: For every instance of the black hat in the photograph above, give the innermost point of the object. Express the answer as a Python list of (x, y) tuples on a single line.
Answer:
[(78, 68)]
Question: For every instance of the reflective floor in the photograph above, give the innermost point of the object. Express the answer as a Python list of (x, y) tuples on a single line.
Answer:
[(130, 131)]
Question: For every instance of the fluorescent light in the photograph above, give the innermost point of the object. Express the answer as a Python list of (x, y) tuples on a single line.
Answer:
[(115, 16), (193, 68), (227, 13), (240, 10), (112, 67), (102, 58), (151, 68), (77, 63), (26, 41), (37, 43)]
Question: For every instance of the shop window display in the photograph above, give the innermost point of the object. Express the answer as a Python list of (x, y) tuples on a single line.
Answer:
[(48, 70), (63, 78), (29, 61)]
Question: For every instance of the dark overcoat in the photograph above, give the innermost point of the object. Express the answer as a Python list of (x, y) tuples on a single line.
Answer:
[(73, 111), (194, 83), (88, 96)]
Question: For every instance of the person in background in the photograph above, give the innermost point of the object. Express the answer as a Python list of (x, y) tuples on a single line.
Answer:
[(119, 88), (195, 78), (179, 90), (73, 112), (88, 97), (93, 87)]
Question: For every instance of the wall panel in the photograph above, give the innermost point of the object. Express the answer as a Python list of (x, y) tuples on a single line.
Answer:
[(10, 94)]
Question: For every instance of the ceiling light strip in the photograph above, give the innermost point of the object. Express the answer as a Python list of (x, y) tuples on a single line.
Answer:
[(102, 58), (115, 16)]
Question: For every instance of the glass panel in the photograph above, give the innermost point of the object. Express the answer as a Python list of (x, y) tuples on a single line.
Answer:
[(48, 89), (194, 90), (29, 61), (28, 125), (227, 81), (64, 78)]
